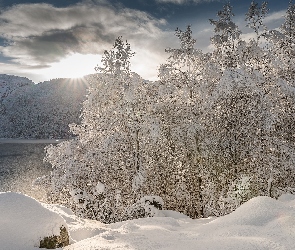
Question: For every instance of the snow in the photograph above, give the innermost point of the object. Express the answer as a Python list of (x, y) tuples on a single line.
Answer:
[(41, 110), (24, 222), (100, 188), (10, 83), (261, 223)]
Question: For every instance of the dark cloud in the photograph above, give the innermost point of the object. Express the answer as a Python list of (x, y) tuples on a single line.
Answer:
[(49, 47)]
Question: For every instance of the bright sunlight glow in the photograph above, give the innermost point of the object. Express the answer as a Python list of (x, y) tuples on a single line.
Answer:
[(79, 65), (73, 66)]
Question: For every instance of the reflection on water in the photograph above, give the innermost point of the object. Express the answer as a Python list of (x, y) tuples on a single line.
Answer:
[(20, 164)]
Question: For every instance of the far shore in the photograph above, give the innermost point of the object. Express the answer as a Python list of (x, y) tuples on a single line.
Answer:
[(7, 140)]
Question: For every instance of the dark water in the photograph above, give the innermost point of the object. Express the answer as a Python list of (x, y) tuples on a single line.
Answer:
[(20, 164)]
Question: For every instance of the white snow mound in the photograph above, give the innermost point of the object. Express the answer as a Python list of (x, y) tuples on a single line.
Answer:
[(24, 222), (257, 212), (261, 223)]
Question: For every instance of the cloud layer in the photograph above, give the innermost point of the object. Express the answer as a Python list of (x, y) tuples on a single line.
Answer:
[(42, 33), (186, 1), (38, 36)]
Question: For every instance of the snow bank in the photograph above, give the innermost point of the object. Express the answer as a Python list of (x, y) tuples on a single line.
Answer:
[(258, 211), (261, 223), (24, 222)]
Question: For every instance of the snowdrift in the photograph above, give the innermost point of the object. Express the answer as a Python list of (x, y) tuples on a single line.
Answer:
[(24, 222), (261, 223)]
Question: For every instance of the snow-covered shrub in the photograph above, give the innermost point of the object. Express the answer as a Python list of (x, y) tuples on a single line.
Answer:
[(147, 206)]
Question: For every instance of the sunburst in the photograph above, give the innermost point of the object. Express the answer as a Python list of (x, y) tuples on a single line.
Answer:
[(73, 66)]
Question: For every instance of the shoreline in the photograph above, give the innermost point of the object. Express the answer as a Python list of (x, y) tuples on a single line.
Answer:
[(33, 141)]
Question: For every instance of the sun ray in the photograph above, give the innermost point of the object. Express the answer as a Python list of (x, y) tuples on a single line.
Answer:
[(73, 66)]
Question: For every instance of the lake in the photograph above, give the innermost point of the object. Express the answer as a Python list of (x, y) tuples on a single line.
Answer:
[(21, 162)]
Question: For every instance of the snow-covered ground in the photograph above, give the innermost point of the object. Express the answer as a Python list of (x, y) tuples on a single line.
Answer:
[(261, 223)]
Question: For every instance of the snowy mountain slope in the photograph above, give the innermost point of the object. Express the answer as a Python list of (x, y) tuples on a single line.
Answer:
[(41, 110), (261, 223), (10, 83)]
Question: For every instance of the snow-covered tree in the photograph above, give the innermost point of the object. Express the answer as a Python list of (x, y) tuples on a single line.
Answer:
[(287, 45), (180, 95), (99, 172), (254, 54), (226, 38), (283, 47), (254, 18), (283, 56), (238, 122), (215, 131), (117, 61)]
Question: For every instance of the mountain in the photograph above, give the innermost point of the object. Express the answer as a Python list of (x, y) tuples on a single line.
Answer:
[(41, 110), (10, 84)]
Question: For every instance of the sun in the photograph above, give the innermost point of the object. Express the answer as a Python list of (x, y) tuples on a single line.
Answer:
[(73, 66)]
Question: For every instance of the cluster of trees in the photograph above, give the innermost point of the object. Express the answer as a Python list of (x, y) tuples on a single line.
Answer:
[(216, 130), (41, 110)]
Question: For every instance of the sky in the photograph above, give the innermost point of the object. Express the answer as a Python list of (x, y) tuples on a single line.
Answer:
[(43, 40)]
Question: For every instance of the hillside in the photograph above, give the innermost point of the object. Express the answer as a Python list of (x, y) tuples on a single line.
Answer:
[(10, 84), (41, 110)]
